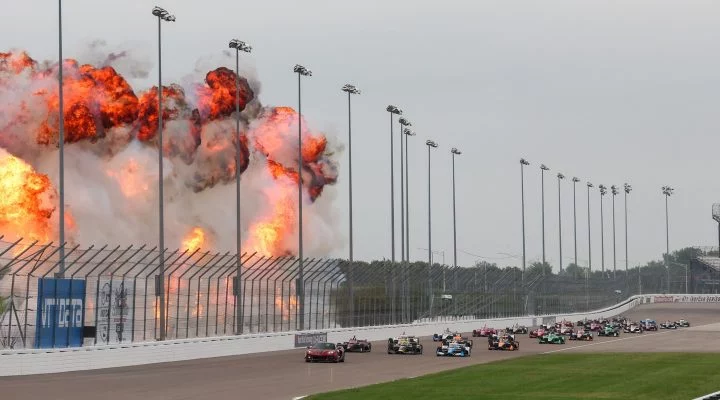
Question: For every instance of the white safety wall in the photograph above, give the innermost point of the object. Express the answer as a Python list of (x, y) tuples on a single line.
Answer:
[(29, 361)]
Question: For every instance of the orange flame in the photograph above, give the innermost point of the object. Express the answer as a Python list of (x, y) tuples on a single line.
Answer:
[(26, 203), (286, 308), (195, 240)]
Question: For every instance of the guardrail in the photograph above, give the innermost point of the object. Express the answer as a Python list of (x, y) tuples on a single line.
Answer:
[(38, 361)]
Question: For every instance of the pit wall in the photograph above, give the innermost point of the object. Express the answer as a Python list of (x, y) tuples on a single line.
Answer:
[(43, 361)]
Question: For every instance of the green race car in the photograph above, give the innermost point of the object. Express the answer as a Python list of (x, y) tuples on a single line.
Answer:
[(609, 330), (552, 338)]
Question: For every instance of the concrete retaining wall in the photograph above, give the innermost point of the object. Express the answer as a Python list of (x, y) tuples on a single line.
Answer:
[(41, 361)]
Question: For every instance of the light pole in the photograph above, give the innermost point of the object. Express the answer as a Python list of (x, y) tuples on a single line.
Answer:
[(393, 111), (523, 163), (560, 177), (244, 47), (407, 133), (543, 168), (455, 152), (667, 191), (430, 144), (391, 273), (575, 180), (350, 90), (716, 217), (603, 190), (61, 145), (614, 191), (300, 290), (627, 189), (162, 15), (589, 186), (403, 123)]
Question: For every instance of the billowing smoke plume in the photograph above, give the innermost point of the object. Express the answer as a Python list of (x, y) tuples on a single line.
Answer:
[(111, 170)]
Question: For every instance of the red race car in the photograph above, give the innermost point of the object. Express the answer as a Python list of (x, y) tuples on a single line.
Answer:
[(325, 351), (359, 345), (484, 332), (539, 332)]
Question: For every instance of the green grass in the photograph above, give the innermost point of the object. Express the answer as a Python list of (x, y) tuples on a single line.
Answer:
[(560, 376)]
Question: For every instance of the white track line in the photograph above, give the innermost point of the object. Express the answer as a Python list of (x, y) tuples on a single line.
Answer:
[(620, 339)]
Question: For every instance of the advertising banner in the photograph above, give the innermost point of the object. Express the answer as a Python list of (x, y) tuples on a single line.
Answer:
[(115, 312), (309, 339), (60, 313)]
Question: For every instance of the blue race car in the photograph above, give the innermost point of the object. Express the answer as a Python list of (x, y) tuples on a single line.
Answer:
[(454, 349)]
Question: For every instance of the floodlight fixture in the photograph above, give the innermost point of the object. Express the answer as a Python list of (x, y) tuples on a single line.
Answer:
[(404, 122), (524, 162), (239, 45), (667, 190), (351, 89), (455, 151), (614, 190), (431, 143), (603, 189), (409, 132), (560, 175), (394, 110), (302, 70), (627, 188), (575, 179), (163, 14), (544, 167)]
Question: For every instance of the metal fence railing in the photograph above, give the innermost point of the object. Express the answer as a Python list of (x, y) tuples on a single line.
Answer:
[(110, 294)]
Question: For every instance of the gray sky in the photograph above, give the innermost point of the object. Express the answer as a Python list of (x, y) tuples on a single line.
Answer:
[(609, 91)]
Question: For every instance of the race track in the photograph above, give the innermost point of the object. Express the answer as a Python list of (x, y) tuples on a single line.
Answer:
[(284, 374)]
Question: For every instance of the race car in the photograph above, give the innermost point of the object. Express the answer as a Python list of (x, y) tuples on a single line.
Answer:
[(484, 332), (447, 335), (581, 334), (454, 349), (404, 344), (668, 325), (682, 323), (551, 338), (324, 351), (649, 325), (539, 332), (565, 330), (517, 329), (633, 328), (595, 326), (563, 323), (504, 342), (359, 345), (609, 330)]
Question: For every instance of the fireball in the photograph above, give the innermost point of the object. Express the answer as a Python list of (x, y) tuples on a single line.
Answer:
[(195, 240), (27, 199)]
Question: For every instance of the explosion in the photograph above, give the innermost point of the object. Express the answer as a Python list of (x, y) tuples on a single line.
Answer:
[(27, 200), (194, 241), (112, 158)]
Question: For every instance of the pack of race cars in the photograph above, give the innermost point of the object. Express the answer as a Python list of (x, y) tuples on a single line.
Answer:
[(453, 344)]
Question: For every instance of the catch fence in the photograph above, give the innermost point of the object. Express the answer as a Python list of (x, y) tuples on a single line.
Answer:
[(109, 295)]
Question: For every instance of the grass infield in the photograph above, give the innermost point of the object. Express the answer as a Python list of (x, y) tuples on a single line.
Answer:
[(559, 376)]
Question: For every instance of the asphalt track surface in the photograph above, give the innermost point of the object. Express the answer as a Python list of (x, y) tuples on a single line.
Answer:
[(284, 375)]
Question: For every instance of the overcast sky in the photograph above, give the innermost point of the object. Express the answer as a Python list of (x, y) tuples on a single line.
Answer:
[(608, 91)]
